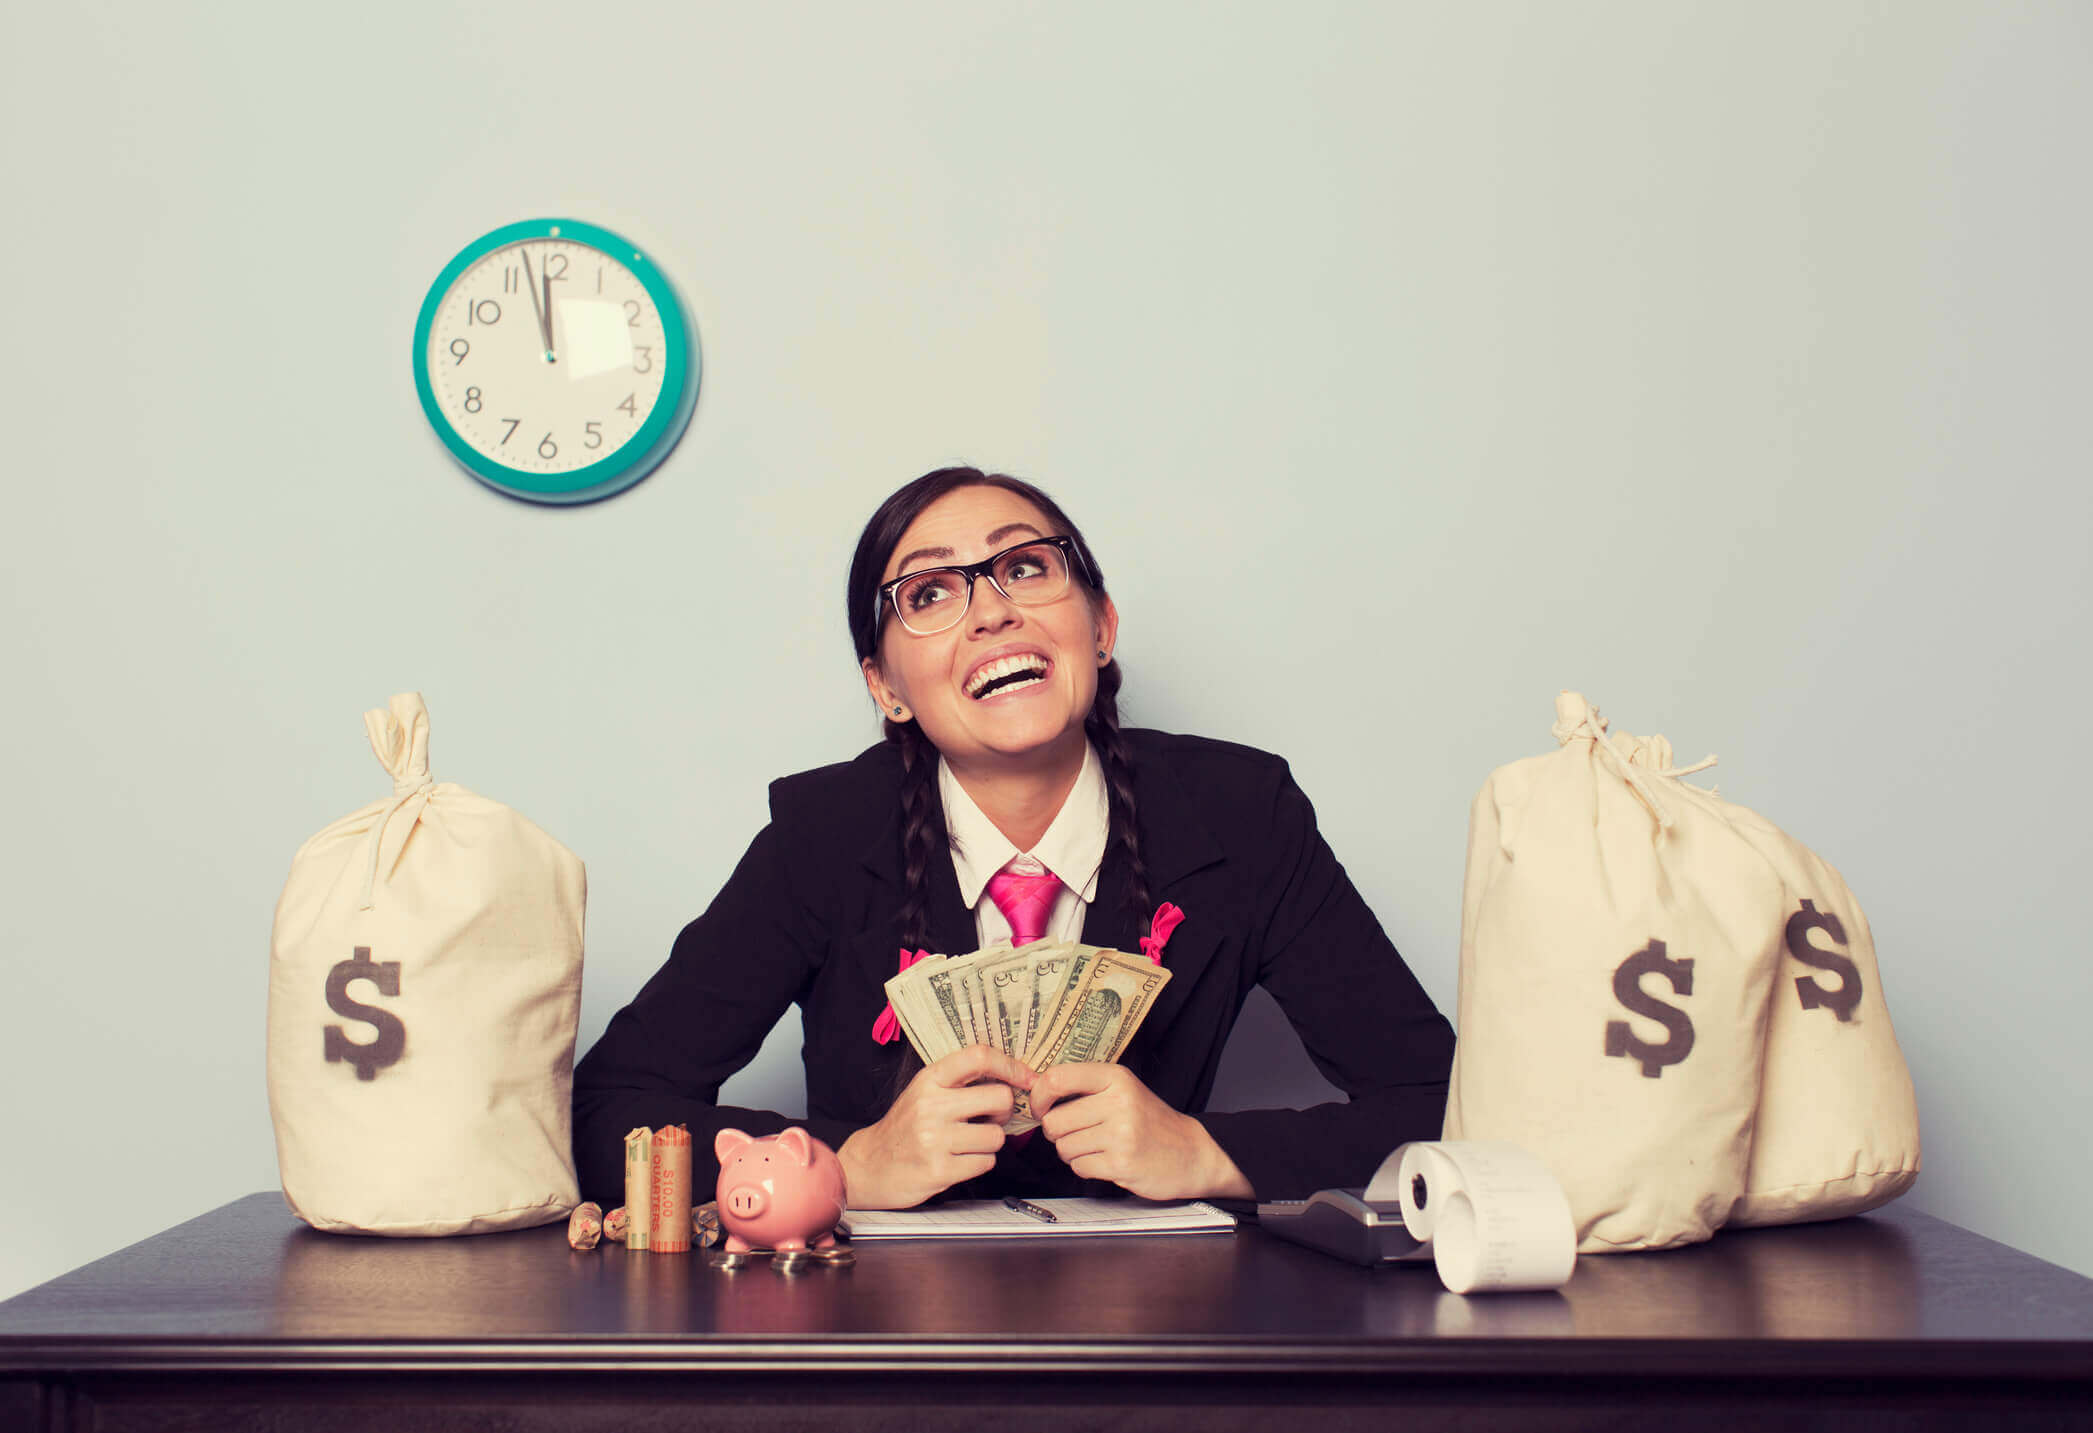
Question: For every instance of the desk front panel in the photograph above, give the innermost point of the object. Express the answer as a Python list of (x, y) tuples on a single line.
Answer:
[(1894, 1309)]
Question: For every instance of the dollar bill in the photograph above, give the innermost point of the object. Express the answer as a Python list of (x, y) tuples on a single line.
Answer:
[(1054, 997), (1007, 984), (1098, 1019), (1046, 1003), (950, 1004)]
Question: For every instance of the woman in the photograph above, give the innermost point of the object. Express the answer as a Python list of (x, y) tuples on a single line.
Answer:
[(1005, 802)]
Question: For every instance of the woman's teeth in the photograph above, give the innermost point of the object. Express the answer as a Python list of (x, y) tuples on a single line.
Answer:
[(1007, 674)]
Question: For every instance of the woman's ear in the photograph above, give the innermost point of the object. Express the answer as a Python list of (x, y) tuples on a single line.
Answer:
[(890, 706), (1107, 629)]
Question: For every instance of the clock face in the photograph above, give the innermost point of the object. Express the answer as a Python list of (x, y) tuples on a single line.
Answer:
[(554, 361)]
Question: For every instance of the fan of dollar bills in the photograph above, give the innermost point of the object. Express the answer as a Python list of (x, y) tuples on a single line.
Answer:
[(1047, 1003)]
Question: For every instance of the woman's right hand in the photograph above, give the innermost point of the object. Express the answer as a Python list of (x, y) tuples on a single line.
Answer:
[(945, 1127)]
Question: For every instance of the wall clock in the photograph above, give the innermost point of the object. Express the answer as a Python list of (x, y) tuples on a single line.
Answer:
[(555, 362)]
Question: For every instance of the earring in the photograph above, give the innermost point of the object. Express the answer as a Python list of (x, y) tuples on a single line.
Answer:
[(897, 711), (1102, 655)]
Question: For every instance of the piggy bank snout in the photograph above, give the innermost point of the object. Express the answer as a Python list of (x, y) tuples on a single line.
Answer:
[(747, 1201)]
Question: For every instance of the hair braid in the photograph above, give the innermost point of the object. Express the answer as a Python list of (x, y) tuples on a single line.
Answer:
[(921, 821), (1102, 727)]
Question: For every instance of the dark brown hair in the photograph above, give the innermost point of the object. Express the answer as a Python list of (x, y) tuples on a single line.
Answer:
[(922, 815)]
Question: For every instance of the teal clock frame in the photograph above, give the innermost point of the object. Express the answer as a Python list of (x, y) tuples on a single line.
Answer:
[(646, 448)]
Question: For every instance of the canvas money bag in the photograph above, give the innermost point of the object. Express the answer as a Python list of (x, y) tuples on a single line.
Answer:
[(1619, 939), (1838, 1127), (1770, 1116), (424, 987)]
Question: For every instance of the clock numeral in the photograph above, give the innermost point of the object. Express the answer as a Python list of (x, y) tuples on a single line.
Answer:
[(514, 424), (508, 279), (629, 407), (485, 311), (547, 449), (643, 358), (595, 438), (472, 400), (632, 313), (556, 273), (459, 348)]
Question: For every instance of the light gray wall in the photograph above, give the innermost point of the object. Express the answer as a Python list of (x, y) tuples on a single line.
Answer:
[(1404, 364)]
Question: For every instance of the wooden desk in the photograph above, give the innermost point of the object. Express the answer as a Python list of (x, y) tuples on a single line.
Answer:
[(244, 1319)]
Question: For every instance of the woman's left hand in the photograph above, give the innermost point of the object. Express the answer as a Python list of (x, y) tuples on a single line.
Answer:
[(1106, 1124)]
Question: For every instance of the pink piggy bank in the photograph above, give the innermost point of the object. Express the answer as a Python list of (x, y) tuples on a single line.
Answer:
[(778, 1192)]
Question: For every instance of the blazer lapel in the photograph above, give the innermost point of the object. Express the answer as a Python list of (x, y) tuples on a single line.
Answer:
[(951, 923), (1175, 846)]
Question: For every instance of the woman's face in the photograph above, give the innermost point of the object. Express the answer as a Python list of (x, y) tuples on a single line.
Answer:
[(928, 677)]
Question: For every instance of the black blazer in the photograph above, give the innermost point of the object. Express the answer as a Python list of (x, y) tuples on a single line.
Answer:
[(809, 917)]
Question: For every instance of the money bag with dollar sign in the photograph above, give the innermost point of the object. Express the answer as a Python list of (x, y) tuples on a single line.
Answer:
[(1621, 939), (424, 988)]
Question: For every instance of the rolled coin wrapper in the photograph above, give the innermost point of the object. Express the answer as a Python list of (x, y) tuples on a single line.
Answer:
[(1495, 1216), (585, 1226), (617, 1224), (671, 1213), (639, 1188)]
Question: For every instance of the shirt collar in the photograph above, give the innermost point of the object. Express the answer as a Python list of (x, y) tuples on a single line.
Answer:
[(1073, 847)]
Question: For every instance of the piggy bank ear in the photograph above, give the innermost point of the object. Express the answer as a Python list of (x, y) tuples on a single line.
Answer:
[(727, 1141), (796, 1143)]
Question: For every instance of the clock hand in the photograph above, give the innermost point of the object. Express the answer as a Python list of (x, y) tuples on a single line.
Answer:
[(544, 328), (551, 353)]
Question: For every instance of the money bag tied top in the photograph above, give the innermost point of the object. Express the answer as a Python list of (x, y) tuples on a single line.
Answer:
[(1025, 900)]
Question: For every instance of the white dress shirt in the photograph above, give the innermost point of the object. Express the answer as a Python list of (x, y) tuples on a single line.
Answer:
[(1073, 848)]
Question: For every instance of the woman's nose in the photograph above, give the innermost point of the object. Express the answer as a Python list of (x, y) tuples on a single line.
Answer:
[(989, 608)]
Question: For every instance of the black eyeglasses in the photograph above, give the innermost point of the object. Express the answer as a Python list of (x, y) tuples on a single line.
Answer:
[(934, 599)]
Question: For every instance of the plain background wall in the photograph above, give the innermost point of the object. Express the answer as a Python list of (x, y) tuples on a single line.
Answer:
[(1403, 363)]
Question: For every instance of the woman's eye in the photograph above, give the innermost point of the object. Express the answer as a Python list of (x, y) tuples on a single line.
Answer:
[(926, 594), (1024, 569)]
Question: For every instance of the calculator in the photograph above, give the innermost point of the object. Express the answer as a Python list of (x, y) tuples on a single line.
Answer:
[(1345, 1223)]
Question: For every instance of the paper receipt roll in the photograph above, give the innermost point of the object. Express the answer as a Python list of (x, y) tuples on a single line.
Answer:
[(1494, 1215)]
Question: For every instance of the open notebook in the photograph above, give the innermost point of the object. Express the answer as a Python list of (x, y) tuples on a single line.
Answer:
[(978, 1218)]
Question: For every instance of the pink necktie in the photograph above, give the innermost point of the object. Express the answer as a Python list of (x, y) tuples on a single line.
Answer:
[(1025, 902)]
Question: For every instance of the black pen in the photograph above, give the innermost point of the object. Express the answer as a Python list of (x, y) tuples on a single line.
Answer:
[(1022, 1206)]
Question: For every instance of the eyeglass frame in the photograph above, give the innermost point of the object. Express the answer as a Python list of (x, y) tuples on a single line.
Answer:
[(885, 597)]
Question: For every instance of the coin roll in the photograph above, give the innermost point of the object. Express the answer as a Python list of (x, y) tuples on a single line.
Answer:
[(671, 1214)]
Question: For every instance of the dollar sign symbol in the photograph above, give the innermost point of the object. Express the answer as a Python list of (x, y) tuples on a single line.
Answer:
[(392, 1035), (1627, 988), (1843, 1000)]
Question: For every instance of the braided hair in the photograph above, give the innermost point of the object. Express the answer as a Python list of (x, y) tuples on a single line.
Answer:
[(922, 812)]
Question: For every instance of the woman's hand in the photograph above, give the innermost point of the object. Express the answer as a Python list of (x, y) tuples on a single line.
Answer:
[(1106, 1124), (945, 1127)]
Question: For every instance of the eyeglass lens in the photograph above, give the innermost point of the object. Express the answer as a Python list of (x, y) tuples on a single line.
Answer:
[(934, 600)]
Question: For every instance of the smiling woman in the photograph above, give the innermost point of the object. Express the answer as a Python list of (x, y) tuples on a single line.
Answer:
[(1007, 803)]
